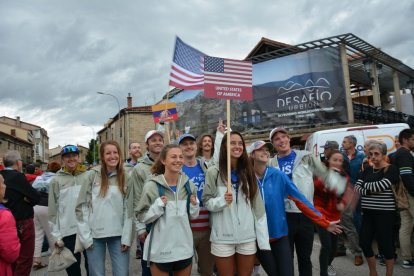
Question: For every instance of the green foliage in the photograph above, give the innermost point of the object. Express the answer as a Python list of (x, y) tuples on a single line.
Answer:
[(93, 150)]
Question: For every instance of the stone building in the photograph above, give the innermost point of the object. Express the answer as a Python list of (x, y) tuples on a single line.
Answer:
[(129, 125), (12, 142), (32, 134)]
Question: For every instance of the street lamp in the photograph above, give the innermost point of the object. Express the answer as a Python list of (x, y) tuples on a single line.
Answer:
[(94, 143), (119, 110)]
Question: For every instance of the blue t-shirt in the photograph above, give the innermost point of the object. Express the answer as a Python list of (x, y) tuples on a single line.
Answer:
[(286, 163), (196, 175), (174, 188)]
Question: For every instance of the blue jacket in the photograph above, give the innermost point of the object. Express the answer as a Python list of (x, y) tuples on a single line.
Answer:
[(355, 165), (275, 188)]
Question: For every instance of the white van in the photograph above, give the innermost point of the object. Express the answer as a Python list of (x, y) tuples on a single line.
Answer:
[(385, 133)]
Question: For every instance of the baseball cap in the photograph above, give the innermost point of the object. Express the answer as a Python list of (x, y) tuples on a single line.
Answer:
[(184, 136), (152, 133), (331, 145), (69, 149), (277, 129), (258, 145)]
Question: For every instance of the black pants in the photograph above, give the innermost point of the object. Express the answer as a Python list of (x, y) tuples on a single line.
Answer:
[(301, 238), (380, 225), (278, 261), (75, 269), (146, 271), (328, 249)]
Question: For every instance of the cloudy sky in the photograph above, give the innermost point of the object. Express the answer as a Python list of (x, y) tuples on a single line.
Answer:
[(56, 54)]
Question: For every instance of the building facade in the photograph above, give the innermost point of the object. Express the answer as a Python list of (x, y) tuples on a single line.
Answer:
[(130, 125), (31, 133)]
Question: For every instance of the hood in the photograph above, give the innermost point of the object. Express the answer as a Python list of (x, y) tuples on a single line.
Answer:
[(158, 178)]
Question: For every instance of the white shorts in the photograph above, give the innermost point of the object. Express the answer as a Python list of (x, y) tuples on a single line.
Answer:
[(227, 250)]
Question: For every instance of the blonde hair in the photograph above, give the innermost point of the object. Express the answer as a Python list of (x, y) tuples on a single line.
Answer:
[(2, 200)]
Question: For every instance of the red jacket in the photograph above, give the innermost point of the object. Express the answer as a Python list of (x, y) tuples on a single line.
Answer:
[(9, 242), (326, 201)]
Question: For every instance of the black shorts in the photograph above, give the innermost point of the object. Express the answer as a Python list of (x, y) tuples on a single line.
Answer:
[(174, 266)]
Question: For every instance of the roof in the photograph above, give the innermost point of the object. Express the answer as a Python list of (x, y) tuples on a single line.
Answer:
[(357, 51), (16, 138)]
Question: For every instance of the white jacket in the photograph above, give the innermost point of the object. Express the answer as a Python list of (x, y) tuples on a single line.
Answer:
[(101, 217)]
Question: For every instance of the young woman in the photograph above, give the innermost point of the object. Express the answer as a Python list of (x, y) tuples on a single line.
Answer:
[(378, 206), (168, 201), (330, 205), (9, 242), (237, 216), (104, 213), (275, 186)]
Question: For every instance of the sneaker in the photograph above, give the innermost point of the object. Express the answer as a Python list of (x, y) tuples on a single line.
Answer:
[(408, 264), (331, 270)]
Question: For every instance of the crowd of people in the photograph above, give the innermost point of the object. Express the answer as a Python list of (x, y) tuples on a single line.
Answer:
[(184, 206)]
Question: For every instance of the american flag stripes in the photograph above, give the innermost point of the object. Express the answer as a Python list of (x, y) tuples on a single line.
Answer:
[(187, 68), (227, 78)]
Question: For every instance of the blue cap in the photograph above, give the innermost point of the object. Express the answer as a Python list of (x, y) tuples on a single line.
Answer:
[(184, 136), (69, 149)]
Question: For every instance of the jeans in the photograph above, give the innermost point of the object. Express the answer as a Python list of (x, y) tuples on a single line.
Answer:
[(301, 238), (278, 261), (328, 249), (23, 264), (97, 254), (75, 269)]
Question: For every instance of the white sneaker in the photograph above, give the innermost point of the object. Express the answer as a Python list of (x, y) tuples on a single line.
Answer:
[(331, 270), (46, 253)]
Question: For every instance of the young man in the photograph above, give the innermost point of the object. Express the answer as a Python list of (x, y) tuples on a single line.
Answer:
[(404, 160), (21, 197), (300, 166), (63, 193), (195, 169), (134, 154), (154, 141)]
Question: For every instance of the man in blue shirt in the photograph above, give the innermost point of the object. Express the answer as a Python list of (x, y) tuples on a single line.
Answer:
[(195, 170)]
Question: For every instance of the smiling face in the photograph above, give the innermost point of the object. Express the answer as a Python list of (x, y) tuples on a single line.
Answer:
[(70, 160), (281, 142), (173, 161), (189, 148), (336, 160), (111, 157), (236, 146), (261, 155), (155, 144), (135, 150), (207, 143)]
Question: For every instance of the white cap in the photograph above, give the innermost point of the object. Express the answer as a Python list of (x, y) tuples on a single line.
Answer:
[(152, 133), (258, 145)]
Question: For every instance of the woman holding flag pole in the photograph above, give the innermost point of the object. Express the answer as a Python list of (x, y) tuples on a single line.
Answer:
[(237, 212)]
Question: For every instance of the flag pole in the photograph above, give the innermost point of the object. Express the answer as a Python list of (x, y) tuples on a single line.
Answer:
[(167, 124), (228, 147)]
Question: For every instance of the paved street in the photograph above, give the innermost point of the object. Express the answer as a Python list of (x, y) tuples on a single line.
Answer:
[(343, 266)]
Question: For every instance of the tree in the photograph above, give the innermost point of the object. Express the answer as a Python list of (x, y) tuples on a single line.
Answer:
[(93, 150)]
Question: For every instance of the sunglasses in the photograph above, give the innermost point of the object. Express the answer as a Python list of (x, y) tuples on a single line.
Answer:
[(69, 149)]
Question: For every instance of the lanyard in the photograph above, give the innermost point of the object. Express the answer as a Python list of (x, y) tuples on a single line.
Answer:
[(261, 184)]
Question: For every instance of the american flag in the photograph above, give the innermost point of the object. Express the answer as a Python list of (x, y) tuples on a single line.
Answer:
[(228, 76), (187, 67)]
